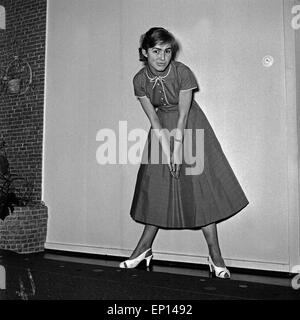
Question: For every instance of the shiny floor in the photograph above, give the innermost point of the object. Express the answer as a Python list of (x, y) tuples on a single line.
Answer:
[(58, 275), (273, 278)]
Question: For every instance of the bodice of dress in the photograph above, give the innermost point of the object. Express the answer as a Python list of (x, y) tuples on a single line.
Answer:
[(164, 90)]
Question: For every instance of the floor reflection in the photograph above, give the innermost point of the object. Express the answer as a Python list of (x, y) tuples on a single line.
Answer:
[(47, 276), (16, 283), (27, 286)]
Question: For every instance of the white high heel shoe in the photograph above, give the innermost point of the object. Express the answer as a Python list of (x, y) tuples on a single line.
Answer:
[(132, 263), (220, 272)]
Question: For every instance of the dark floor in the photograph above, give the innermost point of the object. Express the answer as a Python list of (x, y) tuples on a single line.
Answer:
[(54, 275)]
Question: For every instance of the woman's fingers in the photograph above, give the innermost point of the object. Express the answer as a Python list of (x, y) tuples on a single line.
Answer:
[(170, 168), (174, 169), (171, 165), (177, 170)]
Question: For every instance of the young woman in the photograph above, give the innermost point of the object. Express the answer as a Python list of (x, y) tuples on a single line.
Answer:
[(175, 193)]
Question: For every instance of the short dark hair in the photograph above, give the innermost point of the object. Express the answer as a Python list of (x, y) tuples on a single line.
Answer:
[(154, 36)]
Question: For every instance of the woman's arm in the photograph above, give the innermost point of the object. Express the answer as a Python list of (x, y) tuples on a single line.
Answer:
[(155, 124), (185, 99)]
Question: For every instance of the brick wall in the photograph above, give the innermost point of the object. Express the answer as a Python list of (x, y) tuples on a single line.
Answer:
[(25, 230), (21, 121), (21, 116)]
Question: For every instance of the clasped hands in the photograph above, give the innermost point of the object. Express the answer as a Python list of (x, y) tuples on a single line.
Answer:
[(175, 164)]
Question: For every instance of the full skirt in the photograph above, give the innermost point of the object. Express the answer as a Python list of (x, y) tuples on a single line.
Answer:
[(207, 190)]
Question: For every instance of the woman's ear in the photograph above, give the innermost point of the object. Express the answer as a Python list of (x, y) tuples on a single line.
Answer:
[(144, 52)]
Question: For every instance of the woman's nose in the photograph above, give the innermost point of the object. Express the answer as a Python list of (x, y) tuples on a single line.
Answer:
[(162, 55)]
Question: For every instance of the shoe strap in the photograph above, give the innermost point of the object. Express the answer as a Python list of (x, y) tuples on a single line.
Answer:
[(223, 272)]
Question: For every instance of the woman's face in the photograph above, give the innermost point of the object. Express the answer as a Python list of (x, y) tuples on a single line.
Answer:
[(158, 57)]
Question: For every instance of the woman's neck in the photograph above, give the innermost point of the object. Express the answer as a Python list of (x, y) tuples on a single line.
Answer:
[(154, 72)]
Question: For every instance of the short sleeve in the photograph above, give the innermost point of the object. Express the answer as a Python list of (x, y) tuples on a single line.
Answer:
[(139, 85), (187, 80)]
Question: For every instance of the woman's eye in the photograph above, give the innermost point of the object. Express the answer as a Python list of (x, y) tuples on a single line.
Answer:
[(155, 51), (168, 51)]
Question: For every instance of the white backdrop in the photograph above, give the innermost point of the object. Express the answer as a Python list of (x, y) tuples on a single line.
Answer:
[(91, 59)]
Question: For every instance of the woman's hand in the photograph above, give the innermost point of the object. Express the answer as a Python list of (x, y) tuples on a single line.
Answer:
[(177, 170), (171, 166), (176, 162)]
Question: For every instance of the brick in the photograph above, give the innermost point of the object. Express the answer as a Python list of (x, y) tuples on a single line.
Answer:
[(27, 21), (21, 122)]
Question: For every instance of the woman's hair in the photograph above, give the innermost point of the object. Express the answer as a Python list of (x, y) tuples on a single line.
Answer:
[(154, 36)]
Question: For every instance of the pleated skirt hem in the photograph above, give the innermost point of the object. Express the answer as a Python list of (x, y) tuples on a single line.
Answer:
[(198, 225)]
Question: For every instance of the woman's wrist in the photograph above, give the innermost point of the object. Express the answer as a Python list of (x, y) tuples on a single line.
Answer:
[(178, 140)]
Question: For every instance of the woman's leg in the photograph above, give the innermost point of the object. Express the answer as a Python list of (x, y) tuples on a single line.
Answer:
[(211, 237), (145, 241)]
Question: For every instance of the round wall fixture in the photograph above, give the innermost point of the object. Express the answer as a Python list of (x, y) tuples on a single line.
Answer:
[(17, 78), (267, 61)]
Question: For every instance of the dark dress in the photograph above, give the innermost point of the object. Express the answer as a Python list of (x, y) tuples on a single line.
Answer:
[(194, 200)]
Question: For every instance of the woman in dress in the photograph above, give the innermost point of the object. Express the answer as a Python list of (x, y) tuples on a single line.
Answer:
[(174, 192)]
